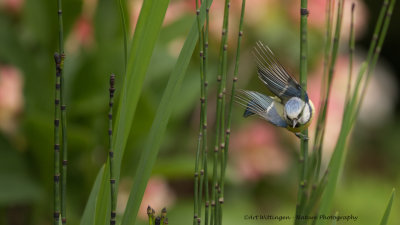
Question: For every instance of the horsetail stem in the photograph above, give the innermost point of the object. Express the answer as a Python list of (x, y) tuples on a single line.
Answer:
[(203, 115), (351, 54), (63, 108), (111, 152), (219, 198), (319, 134), (301, 197), (163, 215), (373, 59), (228, 129), (196, 179), (205, 147), (234, 80), (200, 147), (150, 215), (57, 206)]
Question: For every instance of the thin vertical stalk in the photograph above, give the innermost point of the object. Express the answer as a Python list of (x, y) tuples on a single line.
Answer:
[(372, 46), (203, 116), (60, 27), (319, 134), (215, 164), (63, 117), (229, 119), (373, 59), (351, 54), (163, 215), (199, 154), (323, 111), (221, 115), (377, 29), (150, 214), (57, 206), (205, 147), (196, 179), (111, 152), (348, 120), (303, 82), (234, 81)]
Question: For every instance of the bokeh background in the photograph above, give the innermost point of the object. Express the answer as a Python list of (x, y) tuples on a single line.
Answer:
[(262, 169)]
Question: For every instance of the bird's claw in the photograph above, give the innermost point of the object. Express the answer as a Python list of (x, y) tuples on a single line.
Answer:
[(302, 136)]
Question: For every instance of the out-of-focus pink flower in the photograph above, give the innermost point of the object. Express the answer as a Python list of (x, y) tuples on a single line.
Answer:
[(158, 195), (256, 153), (11, 97), (82, 34), (13, 6)]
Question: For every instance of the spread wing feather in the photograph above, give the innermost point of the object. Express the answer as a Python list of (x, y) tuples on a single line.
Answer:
[(261, 105), (274, 75)]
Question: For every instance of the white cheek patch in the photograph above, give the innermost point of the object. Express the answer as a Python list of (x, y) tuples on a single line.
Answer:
[(305, 117)]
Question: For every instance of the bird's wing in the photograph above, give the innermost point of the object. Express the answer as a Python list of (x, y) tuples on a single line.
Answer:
[(261, 105), (274, 75)]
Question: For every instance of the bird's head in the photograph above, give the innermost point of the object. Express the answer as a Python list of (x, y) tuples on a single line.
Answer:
[(297, 112)]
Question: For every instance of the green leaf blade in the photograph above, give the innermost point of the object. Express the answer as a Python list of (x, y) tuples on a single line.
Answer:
[(385, 217), (90, 209), (159, 126)]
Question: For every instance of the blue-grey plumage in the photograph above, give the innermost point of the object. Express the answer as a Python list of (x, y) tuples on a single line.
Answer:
[(287, 109), (263, 106)]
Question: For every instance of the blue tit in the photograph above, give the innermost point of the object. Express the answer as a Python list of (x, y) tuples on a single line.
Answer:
[(287, 108)]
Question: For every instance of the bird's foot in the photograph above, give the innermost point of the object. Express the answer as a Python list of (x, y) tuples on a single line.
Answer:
[(302, 136)]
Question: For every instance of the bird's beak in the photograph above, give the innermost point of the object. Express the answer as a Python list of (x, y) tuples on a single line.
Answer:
[(294, 123)]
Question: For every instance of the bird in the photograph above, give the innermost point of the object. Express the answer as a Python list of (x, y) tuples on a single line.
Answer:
[(287, 108)]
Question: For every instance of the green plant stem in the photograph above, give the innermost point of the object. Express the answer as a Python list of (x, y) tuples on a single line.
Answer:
[(221, 115), (234, 80), (317, 190), (321, 124), (150, 215), (205, 147), (203, 113), (57, 206), (373, 59), (319, 134), (336, 161), (63, 118), (301, 197), (111, 152), (229, 119), (351, 54), (196, 179)]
